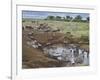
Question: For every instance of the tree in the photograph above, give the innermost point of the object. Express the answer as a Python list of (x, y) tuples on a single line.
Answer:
[(68, 18), (58, 18), (50, 18), (78, 18)]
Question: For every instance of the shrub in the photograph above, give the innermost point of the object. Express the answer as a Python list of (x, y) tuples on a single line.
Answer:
[(84, 38)]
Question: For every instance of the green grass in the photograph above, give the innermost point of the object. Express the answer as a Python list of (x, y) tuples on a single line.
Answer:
[(76, 28)]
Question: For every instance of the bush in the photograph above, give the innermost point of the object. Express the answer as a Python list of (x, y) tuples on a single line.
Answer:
[(68, 35), (84, 38)]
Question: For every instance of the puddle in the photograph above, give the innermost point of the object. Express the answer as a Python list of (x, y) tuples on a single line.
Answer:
[(69, 53), (66, 53)]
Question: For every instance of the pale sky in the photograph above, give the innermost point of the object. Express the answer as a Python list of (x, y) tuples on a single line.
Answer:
[(44, 14)]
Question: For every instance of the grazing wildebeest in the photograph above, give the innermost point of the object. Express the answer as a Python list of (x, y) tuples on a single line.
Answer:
[(29, 27), (56, 30), (44, 27)]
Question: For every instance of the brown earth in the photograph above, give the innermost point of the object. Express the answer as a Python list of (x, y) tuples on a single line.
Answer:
[(35, 58)]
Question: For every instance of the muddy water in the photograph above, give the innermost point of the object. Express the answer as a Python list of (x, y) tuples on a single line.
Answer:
[(69, 54)]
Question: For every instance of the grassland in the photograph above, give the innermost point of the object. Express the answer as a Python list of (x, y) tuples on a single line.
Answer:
[(76, 28), (34, 58)]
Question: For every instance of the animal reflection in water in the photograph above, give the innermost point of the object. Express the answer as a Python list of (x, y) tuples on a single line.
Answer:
[(73, 55)]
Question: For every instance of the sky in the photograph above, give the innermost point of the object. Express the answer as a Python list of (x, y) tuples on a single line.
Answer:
[(44, 14)]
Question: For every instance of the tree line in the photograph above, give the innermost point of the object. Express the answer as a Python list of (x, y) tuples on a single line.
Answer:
[(78, 18)]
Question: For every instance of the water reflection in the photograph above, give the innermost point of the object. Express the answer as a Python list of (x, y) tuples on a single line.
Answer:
[(73, 54)]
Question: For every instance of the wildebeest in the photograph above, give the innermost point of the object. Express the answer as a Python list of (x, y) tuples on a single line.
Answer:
[(56, 30), (44, 27), (28, 27)]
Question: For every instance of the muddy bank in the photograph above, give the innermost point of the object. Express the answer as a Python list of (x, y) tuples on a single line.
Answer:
[(44, 49)]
